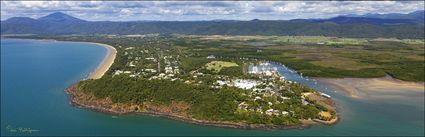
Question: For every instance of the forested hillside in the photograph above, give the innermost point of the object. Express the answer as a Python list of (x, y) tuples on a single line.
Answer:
[(59, 23)]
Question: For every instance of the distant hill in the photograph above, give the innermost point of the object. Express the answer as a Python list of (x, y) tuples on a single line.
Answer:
[(417, 16), (342, 26), (369, 20), (59, 17)]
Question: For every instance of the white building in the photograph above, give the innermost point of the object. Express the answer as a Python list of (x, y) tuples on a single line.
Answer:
[(131, 64), (325, 95), (129, 48), (168, 69), (211, 57), (245, 84), (243, 106), (127, 72), (269, 112), (117, 72), (284, 113)]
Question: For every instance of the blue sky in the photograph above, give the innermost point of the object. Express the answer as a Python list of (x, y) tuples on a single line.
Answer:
[(203, 10)]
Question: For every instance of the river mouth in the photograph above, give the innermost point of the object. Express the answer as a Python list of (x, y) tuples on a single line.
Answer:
[(370, 100), (374, 89)]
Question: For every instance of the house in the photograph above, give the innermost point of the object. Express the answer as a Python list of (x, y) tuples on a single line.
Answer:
[(127, 72), (168, 69), (269, 112), (151, 70), (304, 102), (211, 57), (176, 70), (260, 110), (117, 72), (245, 84), (270, 103), (129, 48), (153, 77), (325, 95), (243, 106), (131, 64), (161, 75), (220, 82), (276, 112), (268, 73)]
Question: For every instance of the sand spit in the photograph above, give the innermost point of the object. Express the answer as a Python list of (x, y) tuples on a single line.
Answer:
[(385, 87)]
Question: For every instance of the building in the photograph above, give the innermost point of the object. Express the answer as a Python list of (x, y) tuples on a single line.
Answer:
[(269, 112), (176, 70), (245, 84), (131, 64), (285, 113), (117, 72), (211, 57), (243, 106), (168, 69), (325, 95)]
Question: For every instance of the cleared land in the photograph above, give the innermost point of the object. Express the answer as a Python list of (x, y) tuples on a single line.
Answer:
[(216, 66)]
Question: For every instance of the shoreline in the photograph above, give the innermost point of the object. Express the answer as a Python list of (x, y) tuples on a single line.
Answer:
[(361, 88), (106, 63), (103, 66), (129, 109)]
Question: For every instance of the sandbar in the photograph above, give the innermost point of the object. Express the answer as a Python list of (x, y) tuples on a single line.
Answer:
[(384, 87)]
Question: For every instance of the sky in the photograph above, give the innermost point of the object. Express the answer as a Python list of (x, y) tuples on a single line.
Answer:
[(202, 10)]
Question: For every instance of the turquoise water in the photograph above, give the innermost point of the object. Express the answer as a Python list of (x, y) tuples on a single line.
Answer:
[(35, 73)]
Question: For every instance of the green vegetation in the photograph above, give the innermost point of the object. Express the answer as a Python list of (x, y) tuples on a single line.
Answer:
[(320, 56), (206, 103)]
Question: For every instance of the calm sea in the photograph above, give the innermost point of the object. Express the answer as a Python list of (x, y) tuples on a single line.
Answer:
[(34, 74)]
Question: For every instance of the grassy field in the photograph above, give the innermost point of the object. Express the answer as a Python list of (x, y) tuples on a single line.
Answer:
[(216, 66)]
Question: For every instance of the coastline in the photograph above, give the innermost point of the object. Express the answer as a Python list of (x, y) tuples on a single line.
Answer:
[(82, 100), (106, 63), (382, 87), (106, 105), (103, 67)]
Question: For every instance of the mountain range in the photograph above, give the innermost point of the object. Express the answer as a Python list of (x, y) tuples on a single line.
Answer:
[(409, 25), (417, 15)]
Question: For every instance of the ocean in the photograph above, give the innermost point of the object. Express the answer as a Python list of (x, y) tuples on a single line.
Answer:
[(35, 73)]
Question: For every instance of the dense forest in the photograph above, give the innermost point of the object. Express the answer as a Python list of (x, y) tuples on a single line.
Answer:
[(205, 102)]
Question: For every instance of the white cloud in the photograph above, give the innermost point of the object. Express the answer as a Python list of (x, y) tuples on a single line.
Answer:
[(203, 10)]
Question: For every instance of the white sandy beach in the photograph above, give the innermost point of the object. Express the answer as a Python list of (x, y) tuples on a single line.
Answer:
[(106, 62)]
